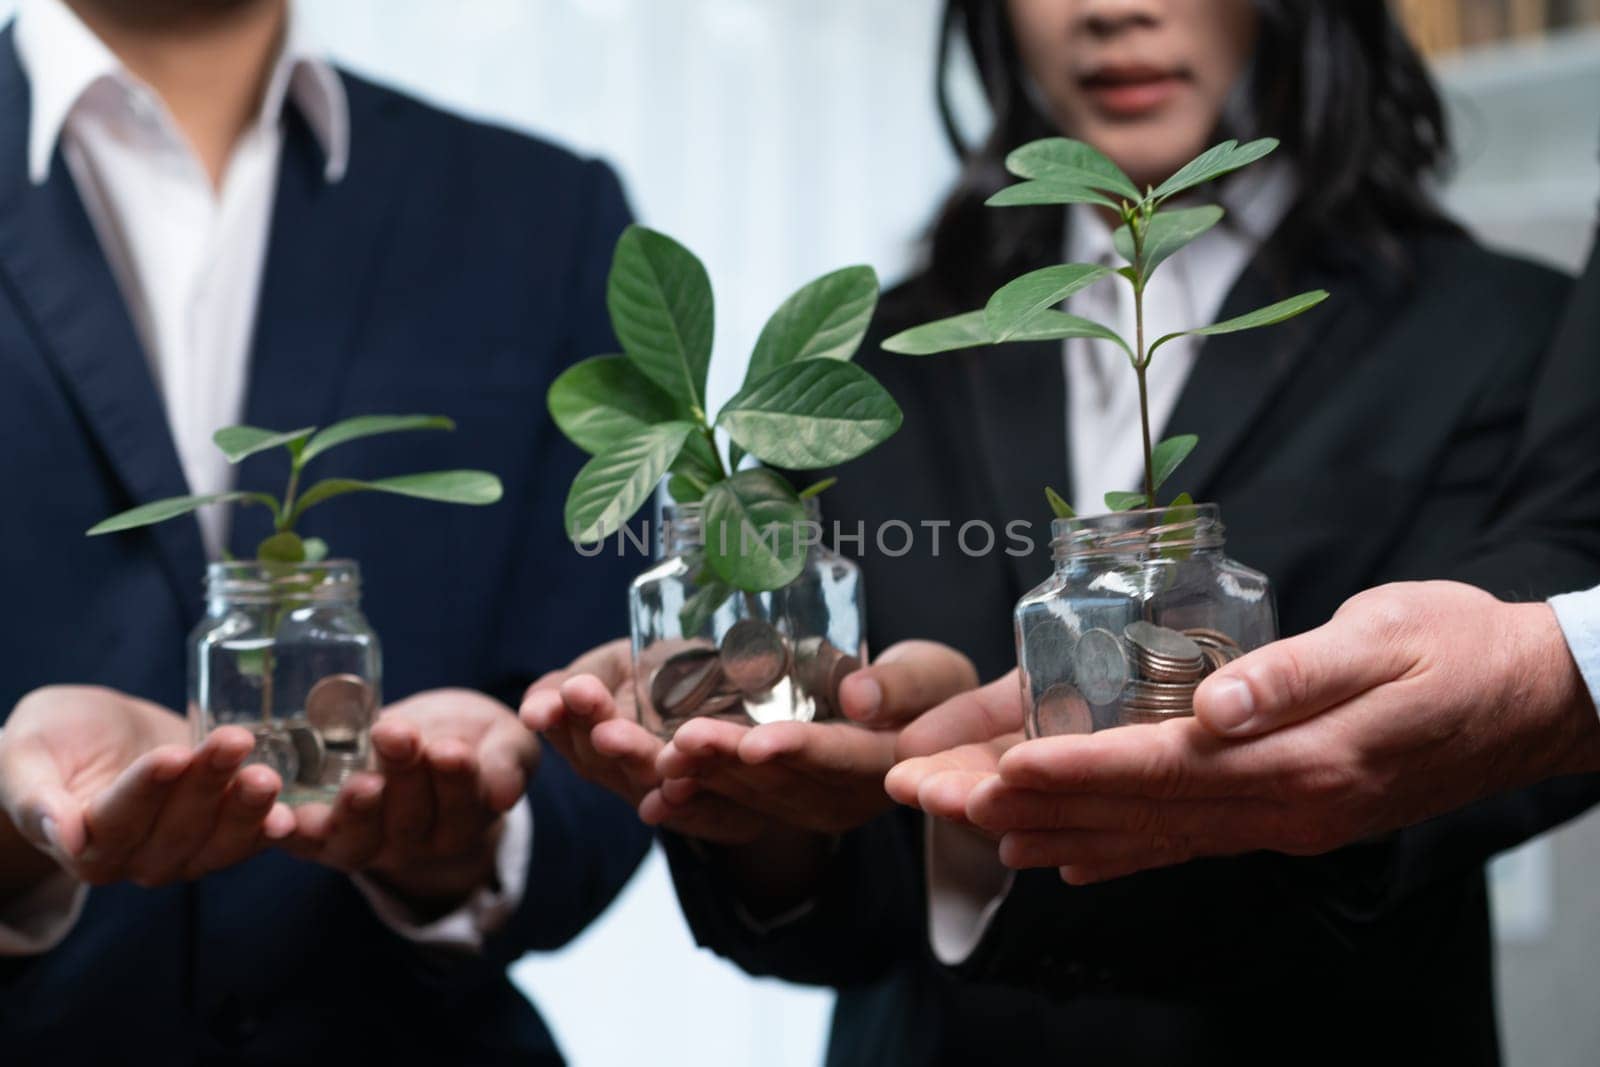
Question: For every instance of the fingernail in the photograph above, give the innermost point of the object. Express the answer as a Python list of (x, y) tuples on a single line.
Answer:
[(869, 698), (223, 760), (1232, 705)]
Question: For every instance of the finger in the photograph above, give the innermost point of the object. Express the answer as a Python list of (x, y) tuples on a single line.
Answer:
[(905, 681), (36, 799), (698, 745), (353, 833), (120, 818), (507, 756), (1171, 760), (241, 822), (1001, 808), (708, 818), (1023, 849), (830, 750), (969, 717), (191, 813), (408, 810), (632, 749), (945, 795), (1296, 678), (459, 813), (543, 709)]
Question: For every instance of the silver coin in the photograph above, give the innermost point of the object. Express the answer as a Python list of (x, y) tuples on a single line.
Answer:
[(341, 703), (1061, 709), (1100, 666), (681, 684), (1047, 647), (309, 750), (754, 656), (1160, 643), (275, 750), (1205, 636)]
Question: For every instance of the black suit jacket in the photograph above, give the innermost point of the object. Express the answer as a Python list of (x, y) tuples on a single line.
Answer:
[(455, 269), (1410, 427)]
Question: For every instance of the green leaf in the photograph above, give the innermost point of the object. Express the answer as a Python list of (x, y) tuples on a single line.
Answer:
[(449, 487), (1266, 316), (1213, 163), (659, 297), (814, 413), (237, 442), (174, 506), (1058, 506), (818, 488), (1166, 456), (698, 459), (284, 547), (370, 426), (736, 454), (1013, 306), (825, 319), (1048, 191), (614, 484), (684, 489), (971, 330), (599, 401), (1181, 510), (699, 608), (1166, 233), (751, 523), (1125, 501), (316, 549), (1071, 161)]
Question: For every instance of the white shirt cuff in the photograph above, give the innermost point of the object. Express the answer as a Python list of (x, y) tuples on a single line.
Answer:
[(966, 885), (41, 918), (484, 911), (1579, 616)]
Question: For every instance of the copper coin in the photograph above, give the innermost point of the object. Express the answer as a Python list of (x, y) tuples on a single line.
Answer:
[(1061, 709), (754, 656), (341, 703), (681, 684)]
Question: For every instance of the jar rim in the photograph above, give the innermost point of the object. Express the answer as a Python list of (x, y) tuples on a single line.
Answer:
[(256, 581), (1194, 526)]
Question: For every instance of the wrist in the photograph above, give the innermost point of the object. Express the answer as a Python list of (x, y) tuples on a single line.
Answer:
[(431, 887), (1553, 693)]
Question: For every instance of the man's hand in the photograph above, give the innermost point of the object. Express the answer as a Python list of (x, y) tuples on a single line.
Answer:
[(451, 763), (1414, 700), (951, 750), (821, 777), (107, 787)]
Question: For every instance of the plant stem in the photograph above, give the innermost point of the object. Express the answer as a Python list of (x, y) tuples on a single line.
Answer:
[(288, 497), (711, 439), (1140, 366)]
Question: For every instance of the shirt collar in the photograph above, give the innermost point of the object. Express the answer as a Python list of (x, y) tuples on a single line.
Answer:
[(62, 59)]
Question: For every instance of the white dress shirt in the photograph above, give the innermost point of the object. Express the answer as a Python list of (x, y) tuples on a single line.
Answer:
[(966, 881), (1579, 616), (188, 258)]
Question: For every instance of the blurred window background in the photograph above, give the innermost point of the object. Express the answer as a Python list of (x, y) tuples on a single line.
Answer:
[(783, 138)]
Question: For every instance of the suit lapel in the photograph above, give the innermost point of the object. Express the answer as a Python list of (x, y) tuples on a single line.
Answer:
[(327, 241), (53, 263), (1237, 375), (1019, 396)]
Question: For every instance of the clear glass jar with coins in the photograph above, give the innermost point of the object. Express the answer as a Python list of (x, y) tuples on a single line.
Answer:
[(1142, 605), (285, 652), (701, 649)]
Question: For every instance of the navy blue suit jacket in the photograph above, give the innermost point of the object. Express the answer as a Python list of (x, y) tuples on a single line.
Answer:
[(455, 269)]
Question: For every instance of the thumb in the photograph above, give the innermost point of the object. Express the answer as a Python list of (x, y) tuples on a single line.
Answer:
[(34, 795), (1291, 680), (906, 680)]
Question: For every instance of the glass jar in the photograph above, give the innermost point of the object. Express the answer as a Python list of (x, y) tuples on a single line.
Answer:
[(1141, 607), (700, 649), (284, 651)]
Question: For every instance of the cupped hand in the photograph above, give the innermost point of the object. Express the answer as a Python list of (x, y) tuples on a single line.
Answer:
[(953, 749), (106, 786), (451, 763)]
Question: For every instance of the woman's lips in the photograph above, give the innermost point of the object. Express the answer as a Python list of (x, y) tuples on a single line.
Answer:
[(1128, 92)]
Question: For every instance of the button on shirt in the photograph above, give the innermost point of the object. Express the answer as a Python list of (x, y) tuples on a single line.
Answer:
[(188, 259), (966, 881)]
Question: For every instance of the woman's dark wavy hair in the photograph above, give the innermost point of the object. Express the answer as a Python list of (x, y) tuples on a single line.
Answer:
[(1338, 83)]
